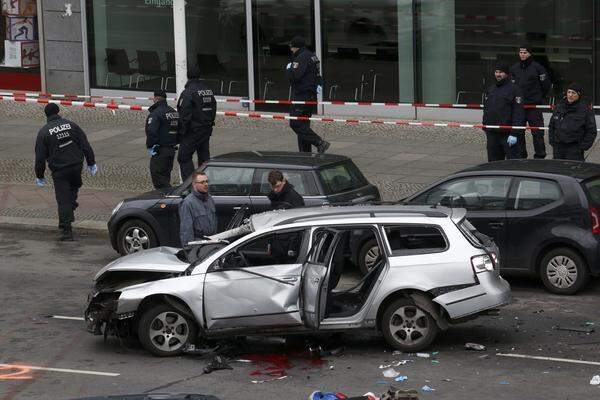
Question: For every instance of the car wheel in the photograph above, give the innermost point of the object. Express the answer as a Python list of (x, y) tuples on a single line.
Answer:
[(368, 256), (165, 332), (135, 235), (407, 327), (563, 271)]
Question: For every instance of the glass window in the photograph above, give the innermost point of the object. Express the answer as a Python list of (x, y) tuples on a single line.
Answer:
[(535, 193), (131, 44), (414, 239), (216, 42), (272, 249), (474, 194), (341, 178), (303, 182), (462, 40), (592, 187), (367, 50), (229, 181)]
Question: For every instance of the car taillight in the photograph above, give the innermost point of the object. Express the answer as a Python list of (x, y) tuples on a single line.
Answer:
[(595, 220), (494, 257), (482, 263)]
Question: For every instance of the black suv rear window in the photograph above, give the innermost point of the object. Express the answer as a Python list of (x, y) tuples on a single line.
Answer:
[(341, 178), (592, 189)]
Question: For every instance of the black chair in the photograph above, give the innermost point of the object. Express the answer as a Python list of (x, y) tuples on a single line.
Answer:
[(211, 69), (149, 65), (118, 64)]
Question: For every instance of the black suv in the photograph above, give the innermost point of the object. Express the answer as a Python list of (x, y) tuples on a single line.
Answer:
[(543, 214), (237, 181)]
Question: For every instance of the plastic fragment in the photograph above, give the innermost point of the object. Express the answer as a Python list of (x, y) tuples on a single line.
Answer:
[(427, 388), (434, 362), (595, 380), (270, 380), (401, 378), (423, 355), (475, 346), (390, 373), (504, 382)]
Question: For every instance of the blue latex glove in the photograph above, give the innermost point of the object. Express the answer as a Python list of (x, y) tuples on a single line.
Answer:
[(93, 169), (152, 150), (319, 89), (288, 66), (512, 140), (40, 182)]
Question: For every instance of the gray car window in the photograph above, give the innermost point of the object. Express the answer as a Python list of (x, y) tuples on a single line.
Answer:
[(229, 181), (415, 239), (535, 193), (300, 179), (273, 249), (484, 193)]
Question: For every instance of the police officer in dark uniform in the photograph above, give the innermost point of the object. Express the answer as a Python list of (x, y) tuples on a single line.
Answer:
[(572, 128), (161, 139), (197, 110), (304, 75), (502, 106), (63, 145), (535, 83)]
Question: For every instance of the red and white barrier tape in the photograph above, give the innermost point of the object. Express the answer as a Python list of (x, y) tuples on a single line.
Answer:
[(285, 117), (76, 96)]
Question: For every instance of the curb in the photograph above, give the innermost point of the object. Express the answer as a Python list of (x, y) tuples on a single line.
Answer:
[(96, 228)]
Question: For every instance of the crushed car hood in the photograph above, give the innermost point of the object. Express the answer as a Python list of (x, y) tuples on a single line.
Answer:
[(160, 259)]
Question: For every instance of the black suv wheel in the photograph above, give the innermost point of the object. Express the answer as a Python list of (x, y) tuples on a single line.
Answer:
[(563, 271), (135, 235)]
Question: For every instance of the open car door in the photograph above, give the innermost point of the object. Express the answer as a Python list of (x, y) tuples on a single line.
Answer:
[(315, 276)]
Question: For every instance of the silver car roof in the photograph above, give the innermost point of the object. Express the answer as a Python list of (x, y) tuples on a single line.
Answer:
[(283, 217)]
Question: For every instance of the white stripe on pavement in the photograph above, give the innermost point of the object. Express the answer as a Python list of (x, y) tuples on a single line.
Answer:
[(71, 318), (70, 371), (565, 360)]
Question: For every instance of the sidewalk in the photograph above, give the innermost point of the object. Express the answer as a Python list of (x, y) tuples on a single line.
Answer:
[(398, 159)]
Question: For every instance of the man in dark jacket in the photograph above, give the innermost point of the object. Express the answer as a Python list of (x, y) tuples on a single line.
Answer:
[(572, 128), (63, 145), (304, 75), (283, 194), (197, 212), (161, 139), (197, 110), (502, 106), (534, 82)]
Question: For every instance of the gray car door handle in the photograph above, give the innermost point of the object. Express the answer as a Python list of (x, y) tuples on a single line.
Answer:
[(289, 278), (496, 225), (237, 208)]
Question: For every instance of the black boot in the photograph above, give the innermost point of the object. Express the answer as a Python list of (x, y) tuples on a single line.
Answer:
[(66, 235), (323, 146)]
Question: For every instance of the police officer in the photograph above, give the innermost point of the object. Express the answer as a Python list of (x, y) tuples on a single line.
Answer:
[(197, 110), (303, 73), (63, 145), (502, 106), (572, 128), (161, 139), (534, 82)]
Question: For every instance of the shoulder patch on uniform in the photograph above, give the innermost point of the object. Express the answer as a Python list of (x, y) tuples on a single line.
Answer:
[(295, 65), (149, 120), (542, 77), (518, 99)]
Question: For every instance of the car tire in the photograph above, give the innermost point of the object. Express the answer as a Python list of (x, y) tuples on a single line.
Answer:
[(407, 327), (563, 271), (165, 331), (135, 235), (368, 256)]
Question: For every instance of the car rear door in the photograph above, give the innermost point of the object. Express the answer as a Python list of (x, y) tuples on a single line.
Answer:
[(315, 276), (302, 180), (344, 183)]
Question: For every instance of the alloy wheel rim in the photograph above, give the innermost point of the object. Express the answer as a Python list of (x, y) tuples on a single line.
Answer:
[(561, 272), (409, 325), (371, 257), (136, 239), (169, 331)]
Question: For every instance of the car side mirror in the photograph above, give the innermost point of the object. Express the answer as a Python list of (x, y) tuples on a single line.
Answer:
[(184, 194)]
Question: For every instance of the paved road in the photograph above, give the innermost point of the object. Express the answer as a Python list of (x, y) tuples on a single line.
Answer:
[(40, 277)]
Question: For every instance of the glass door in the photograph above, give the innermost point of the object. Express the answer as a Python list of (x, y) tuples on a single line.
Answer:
[(274, 24)]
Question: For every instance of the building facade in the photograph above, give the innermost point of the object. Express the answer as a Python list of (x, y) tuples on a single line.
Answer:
[(371, 50)]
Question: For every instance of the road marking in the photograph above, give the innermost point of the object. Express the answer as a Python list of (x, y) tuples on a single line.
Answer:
[(70, 371), (565, 360), (18, 373), (63, 317)]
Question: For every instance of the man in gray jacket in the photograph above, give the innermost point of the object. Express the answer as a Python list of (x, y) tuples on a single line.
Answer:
[(197, 214)]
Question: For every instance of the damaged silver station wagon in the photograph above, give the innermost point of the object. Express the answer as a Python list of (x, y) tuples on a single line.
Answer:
[(288, 271)]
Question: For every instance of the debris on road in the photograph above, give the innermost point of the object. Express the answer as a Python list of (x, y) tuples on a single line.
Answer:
[(475, 347), (401, 378), (573, 329), (427, 388), (504, 382), (595, 381), (217, 363), (390, 373), (394, 394), (423, 355), (270, 380)]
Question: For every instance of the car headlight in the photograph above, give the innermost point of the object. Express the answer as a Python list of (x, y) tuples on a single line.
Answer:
[(117, 208)]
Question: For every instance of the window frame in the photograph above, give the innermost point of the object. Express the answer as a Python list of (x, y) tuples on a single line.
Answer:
[(412, 252), (308, 179), (216, 194), (514, 186)]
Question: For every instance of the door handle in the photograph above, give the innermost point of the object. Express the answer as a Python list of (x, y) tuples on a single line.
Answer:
[(496, 225), (237, 208), (289, 278)]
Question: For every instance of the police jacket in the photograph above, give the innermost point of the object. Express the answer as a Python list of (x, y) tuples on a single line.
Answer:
[(161, 125), (533, 80), (197, 216), (502, 106), (286, 198), (304, 74), (62, 144), (197, 108), (572, 123)]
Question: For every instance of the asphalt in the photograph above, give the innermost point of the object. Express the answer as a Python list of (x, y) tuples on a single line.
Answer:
[(398, 159)]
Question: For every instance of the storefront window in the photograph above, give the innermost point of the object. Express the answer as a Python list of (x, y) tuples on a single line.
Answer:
[(367, 50), (462, 40), (131, 44), (19, 47), (216, 42)]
